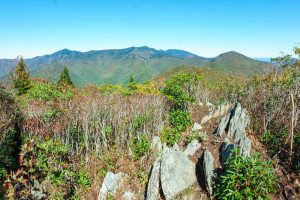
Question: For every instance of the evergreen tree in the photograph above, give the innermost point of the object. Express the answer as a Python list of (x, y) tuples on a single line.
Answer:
[(132, 84), (21, 77), (65, 78)]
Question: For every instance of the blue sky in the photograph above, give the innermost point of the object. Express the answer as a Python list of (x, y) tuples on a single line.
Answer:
[(256, 28)]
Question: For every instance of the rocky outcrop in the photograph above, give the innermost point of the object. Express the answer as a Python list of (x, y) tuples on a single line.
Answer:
[(111, 184), (177, 172), (173, 172), (192, 148), (153, 183), (209, 171), (234, 124), (217, 112)]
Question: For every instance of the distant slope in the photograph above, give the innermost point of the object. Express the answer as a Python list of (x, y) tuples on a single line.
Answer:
[(116, 65), (237, 63)]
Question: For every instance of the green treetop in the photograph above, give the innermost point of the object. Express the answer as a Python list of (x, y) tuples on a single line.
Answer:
[(65, 78), (21, 78)]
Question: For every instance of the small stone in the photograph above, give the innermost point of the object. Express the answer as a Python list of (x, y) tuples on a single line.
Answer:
[(192, 148), (196, 127), (112, 182), (128, 195)]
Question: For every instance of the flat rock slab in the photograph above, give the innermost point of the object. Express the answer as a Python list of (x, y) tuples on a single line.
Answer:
[(111, 184), (177, 172), (153, 184)]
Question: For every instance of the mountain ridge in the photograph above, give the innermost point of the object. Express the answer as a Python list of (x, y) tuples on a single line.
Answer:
[(116, 65)]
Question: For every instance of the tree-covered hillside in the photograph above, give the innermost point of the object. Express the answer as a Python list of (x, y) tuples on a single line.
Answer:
[(117, 65)]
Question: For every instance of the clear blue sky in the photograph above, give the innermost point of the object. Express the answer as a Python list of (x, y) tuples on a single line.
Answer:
[(257, 28)]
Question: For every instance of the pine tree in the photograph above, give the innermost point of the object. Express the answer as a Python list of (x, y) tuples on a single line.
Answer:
[(65, 78), (132, 84), (21, 78)]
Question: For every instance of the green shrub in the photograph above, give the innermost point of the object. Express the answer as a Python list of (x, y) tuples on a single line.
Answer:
[(48, 92), (51, 114), (274, 142), (83, 178), (140, 146), (139, 120), (180, 119), (170, 136), (180, 89), (246, 178)]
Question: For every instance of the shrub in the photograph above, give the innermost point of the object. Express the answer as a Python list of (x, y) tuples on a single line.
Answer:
[(180, 119), (246, 178), (51, 114), (180, 88), (170, 136), (140, 146), (48, 92), (132, 84)]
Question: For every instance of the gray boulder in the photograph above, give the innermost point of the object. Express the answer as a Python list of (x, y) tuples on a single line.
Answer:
[(239, 121), (111, 184), (153, 183), (177, 172), (222, 125), (192, 148), (209, 171), (245, 146)]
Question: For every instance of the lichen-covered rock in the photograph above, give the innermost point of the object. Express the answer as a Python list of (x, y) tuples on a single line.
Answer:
[(245, 146), (111, 184), (177, 172), (239, 120), (192, 148), (153, 183), (209, 171)]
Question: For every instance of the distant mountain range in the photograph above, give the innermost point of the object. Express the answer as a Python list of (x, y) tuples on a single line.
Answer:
[(117, 65)]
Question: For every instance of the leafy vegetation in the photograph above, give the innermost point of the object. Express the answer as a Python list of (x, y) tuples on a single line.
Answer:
[(246, 178), (140, 146)]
